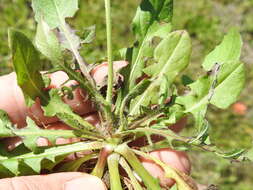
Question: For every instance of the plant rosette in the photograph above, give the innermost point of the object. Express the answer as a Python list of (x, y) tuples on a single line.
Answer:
[(137, 99)]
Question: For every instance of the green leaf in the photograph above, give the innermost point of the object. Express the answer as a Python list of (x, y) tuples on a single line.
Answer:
[(113, 167), (54, 12), (228, 85), (137, 90), (248, 155), (177, 46), (33, 160), (47, 42), (228, 51), (231, 81), (183, 181), (68, 39), (134, 182), (56, 107), (27, 66), (89, 34), (235, 154), (171, 116), (149, 181), (73, 166), (140, 53), (150, 11), (152, 19), (5, 125), (31, 133)]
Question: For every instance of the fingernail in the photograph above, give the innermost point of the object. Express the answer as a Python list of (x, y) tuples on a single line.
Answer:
[(85, 183)]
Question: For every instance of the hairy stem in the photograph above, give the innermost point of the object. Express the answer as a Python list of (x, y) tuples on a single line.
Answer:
[(109, 50), (113, 165)]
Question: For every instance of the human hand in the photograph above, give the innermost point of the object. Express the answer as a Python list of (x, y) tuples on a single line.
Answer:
[(12, 101)]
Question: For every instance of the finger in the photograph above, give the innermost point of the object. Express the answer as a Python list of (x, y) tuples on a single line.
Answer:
[(60, 181), (12, 100), (99, 73), (176, 159), (80, 103)]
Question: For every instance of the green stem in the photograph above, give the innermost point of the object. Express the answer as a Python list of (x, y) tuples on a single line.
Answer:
[(127, 168), (183, 181), (149, 181), (109, 50), (100, 166), (171, 135), (113, 166)]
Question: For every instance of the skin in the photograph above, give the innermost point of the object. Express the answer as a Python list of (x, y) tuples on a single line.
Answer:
[(12, 101)]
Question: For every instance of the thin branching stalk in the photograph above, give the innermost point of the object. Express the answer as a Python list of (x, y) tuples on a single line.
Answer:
[(109, 50)]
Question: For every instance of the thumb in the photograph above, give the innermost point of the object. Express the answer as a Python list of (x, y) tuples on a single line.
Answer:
[(59, 181)]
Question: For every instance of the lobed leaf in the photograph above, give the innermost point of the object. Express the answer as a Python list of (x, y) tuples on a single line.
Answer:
[(31, 132), (222, 85), (13, 163), (54, 12), (229, 84)]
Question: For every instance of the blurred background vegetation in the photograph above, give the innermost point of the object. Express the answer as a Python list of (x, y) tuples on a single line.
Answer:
[(206, 21)]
